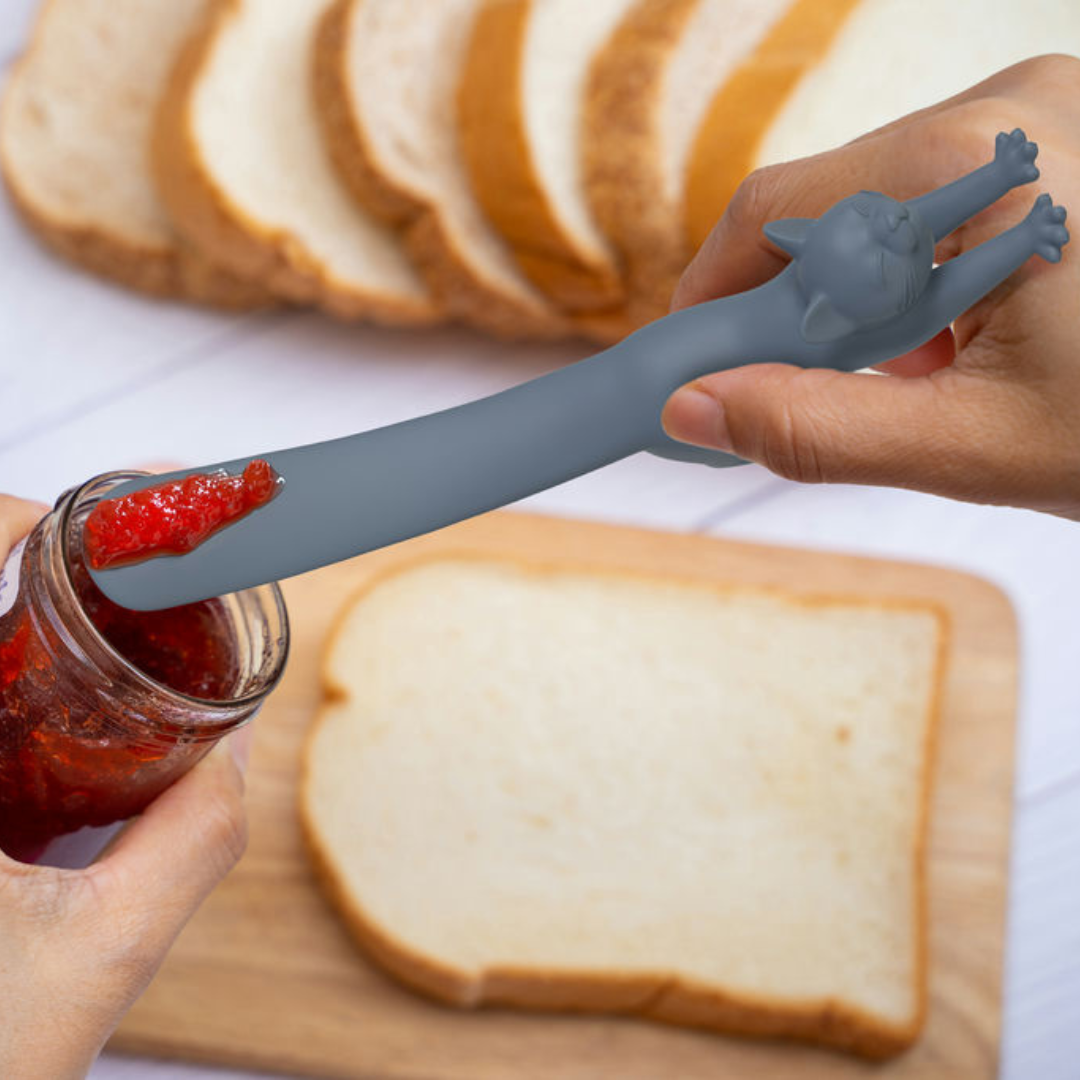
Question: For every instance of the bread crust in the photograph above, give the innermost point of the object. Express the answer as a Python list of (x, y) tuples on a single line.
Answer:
[(621, 151), (655, 996), (496, 149), (213, 221), (345, 135), (725, 147), (448, 271), (175, 271)]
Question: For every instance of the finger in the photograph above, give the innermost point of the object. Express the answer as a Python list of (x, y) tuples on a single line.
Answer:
[(942, 433), (167, 862), (17, 518), (938, 352)]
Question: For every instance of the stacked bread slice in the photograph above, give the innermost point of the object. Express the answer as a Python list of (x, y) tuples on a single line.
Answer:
[(649, 91), (536, 168), (75, 124), (385, 78), (520, 108), (242, 169)]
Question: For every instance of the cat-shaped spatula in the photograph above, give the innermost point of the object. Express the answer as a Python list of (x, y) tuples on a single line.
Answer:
[(861, 288)]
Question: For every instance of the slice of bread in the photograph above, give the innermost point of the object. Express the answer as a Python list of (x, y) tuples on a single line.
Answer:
[(520, 124), (241, 167), (647, 94), (74, 134), (386, 74), (820, 81), (559, 787)]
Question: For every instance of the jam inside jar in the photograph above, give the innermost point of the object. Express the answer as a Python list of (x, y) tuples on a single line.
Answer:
[(102, 708)]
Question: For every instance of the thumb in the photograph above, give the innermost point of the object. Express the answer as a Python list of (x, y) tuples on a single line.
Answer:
[(936, 433), (167, 861)]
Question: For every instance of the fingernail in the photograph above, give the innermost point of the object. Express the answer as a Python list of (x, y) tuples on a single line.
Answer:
[(701, 419), (240, 747)]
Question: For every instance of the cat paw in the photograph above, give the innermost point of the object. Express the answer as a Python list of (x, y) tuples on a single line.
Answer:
[(1046, 223), (1015, 156)]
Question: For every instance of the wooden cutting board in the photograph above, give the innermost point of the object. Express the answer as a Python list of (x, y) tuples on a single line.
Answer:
[(264, 976)]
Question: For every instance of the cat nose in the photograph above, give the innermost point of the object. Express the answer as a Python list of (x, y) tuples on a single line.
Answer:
[(894, 217)]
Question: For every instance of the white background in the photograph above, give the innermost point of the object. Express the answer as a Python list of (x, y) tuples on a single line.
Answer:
[(92, 378)]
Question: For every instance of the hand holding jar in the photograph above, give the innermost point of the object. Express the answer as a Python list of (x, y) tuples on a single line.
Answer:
[(77, 947)]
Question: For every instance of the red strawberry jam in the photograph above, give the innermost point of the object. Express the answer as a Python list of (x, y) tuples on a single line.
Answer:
[(175, 517), (189, 648), (66, 758)]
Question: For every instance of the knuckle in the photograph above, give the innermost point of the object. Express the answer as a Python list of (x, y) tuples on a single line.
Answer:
[(754, 201), (789, 444)]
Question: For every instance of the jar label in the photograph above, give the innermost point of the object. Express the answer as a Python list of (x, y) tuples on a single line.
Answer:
[(9, 578)]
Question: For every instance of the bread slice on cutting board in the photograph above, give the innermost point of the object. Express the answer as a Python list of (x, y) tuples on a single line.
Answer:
[(241, 166), (574, 788), (74, 138), (648, 91), (386, 75), (882, 61), (520, 125)]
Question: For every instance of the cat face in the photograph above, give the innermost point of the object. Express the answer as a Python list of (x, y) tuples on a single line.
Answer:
[(863, 262), (889, 222)]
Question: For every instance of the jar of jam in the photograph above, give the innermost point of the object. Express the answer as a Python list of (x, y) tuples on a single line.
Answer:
[(102, 708)]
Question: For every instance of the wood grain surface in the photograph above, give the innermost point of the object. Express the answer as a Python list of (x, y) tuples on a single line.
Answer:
[(265, 977)]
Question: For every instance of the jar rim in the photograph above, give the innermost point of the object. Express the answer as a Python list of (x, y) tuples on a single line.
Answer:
[(76, 499)]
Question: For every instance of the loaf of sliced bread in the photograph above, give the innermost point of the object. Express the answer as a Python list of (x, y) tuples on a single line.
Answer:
[(569, 788), (74, 139), (241, 167), (386, 75), (828, 75), (646, 97), (520, 125)]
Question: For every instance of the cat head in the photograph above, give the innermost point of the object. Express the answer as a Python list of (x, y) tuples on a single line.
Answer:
[(863, 262)]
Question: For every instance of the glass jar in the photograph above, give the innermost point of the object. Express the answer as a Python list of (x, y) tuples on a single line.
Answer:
[(102, 708)]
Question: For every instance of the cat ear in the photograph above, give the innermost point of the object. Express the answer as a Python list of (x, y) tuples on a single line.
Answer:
[(789, 233), (822, 322)]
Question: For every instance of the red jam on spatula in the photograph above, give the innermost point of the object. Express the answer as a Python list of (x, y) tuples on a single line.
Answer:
[(175, 517)]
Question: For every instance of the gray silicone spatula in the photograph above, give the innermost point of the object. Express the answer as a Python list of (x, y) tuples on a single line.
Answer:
[(861, 288)]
